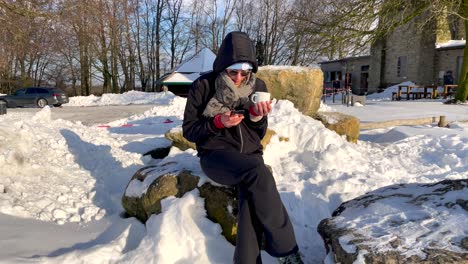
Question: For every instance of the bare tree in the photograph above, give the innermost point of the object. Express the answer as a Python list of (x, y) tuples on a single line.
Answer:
[(218, 21), (246, 17), (173, 18), (127, 52), (77, 15)]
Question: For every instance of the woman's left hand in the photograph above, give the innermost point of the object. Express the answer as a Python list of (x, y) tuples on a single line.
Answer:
[(263, 108)]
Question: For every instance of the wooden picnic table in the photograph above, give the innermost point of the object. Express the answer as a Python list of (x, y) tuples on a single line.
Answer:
[(408, 91), (401, 87), (434, 91), (449, 89)]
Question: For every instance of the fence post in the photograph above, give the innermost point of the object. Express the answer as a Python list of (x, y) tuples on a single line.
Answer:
[(442, 122), (3, 108)]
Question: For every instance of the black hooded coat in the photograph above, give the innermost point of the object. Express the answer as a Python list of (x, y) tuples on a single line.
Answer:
[(246, 137)]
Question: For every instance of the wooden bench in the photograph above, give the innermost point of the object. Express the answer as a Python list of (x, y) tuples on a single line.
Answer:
[(449, 90), (412, 95), (395, 95), (420, 95)]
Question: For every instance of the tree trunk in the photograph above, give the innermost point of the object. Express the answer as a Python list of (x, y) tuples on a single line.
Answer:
[(114, 31), (105, 65), (462, 91)]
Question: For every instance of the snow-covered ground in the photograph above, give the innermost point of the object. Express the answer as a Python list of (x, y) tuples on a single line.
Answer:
[(61, 181)]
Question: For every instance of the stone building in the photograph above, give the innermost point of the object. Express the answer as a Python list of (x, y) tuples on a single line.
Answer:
[(422, 52), (352, 72)]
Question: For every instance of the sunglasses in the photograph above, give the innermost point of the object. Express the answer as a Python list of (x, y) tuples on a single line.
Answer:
[(234, 73)]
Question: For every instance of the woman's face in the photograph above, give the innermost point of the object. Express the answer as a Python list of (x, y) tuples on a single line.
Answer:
[(237, 76)]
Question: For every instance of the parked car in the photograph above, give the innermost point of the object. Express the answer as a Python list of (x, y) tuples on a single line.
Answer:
[(35, 96)]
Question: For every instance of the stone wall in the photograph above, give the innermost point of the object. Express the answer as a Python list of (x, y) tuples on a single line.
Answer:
[(418, 45), (446, 60), (415, 40), (376, 65), (351, 65), (354, 66)]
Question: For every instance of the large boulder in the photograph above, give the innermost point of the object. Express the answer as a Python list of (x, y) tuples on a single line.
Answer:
[(221, 207), (301, 85), (406, 223), (340, 123), (151, 184)]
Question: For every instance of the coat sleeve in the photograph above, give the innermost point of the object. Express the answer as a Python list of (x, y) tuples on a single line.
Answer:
[(197, 127)]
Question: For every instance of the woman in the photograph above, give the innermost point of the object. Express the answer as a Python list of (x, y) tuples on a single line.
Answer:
[(227, 128)]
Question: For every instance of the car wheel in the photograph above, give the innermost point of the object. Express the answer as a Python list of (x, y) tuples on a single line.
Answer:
[(41, 102)]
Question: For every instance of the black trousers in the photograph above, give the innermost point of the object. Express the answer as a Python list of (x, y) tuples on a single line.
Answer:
[(261, 211)]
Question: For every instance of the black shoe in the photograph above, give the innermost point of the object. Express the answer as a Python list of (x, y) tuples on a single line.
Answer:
[(291, 259)]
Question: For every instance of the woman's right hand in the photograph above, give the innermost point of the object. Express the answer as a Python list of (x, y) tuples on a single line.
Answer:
[(229, 120)]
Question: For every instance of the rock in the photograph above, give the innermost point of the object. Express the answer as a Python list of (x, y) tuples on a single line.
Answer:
[(406, 223), (158, 153), (221, 207), (178, 140), (164, 185), (340, 123), (300, 85), (220, 201), (464, 243)]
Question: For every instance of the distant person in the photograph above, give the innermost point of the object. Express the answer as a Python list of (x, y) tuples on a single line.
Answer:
[(227, 128), (336, 84), (448, 78)]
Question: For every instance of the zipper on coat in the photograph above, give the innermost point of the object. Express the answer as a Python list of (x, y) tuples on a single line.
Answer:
[(241, 139)]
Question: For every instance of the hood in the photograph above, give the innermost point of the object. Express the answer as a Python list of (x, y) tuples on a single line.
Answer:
[(236, 47)]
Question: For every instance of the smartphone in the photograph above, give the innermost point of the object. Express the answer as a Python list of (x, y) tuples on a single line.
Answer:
[(237, 112)]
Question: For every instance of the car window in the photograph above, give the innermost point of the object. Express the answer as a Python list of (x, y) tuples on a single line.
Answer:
[(31, 91), (41, 91), (20, 92), (58, 91)]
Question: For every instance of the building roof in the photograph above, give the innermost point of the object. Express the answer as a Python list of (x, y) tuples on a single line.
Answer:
[(451, 44), (181, 78), (191, 69), (200, 62), (346, 59)]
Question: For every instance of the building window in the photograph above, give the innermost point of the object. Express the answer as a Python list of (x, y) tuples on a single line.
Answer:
[(332, 75), (365, 68), (401, 67)]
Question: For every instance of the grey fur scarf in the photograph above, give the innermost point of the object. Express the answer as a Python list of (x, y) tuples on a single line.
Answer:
[(228, 96)]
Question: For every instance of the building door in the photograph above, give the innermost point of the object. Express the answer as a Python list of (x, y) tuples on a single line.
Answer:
[(364, 82)]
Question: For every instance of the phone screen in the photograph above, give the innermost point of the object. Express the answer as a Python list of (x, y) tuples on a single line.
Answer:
[(237, 112)]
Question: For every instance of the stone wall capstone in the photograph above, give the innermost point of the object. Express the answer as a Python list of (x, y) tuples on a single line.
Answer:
[(301, 85), (340, 123)]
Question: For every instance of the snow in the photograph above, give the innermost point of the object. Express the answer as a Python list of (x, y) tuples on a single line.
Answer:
[(290, 68), (451, 43), (61, 182), (177, 77), (131, 97), (419, 215), (379, 107)]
